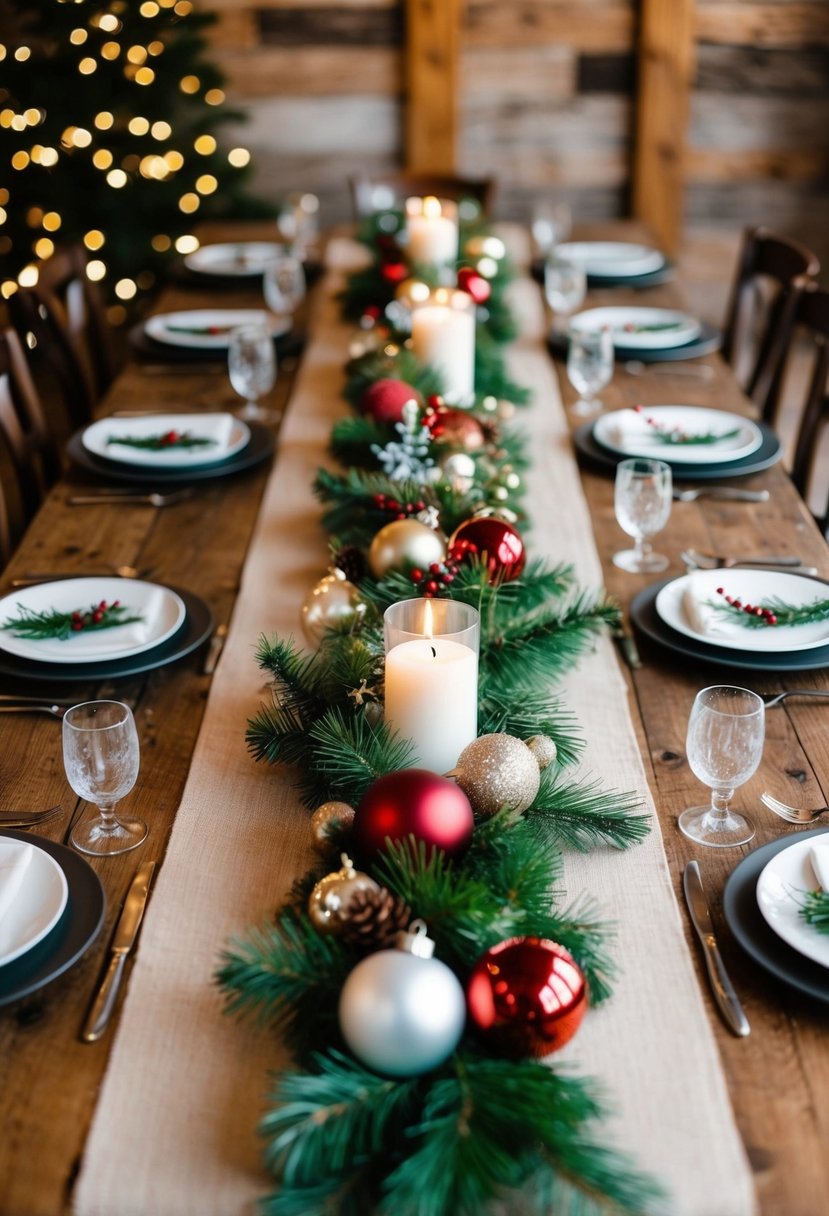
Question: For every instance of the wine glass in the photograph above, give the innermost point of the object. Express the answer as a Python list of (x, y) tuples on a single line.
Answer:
[(550, 225), (251, 363), (643, 504), (283, 283), (565, 286), (724, 746), (590, 357), (100, 755)]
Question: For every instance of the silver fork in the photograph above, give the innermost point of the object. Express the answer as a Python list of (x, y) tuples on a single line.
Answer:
[(54, 711), (776, 698), (153, 499), (27, 819), (713, 561), (792, 814), (730, 492)]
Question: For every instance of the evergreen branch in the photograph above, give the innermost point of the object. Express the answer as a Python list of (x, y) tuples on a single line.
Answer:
[(349, 754), (815, 910), (771, 613), (584, 815), (54, 625), (534, 714), (168, 441)]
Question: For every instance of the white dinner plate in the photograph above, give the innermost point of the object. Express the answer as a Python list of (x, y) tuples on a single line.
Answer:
[(162, 612), (36, 906), (640, 328), (226, 433), (209, 328), (242, 259), (780, 890), (629, 432), (682, 598), (612, 259)]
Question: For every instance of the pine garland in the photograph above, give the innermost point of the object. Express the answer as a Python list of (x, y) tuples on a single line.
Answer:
[(338, 1137)]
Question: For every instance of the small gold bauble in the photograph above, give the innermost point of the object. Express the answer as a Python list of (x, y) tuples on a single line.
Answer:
[(543, 748), (331, 895), (332, 604), (330, 821), (405, 544), (498, 770), (459, 470)]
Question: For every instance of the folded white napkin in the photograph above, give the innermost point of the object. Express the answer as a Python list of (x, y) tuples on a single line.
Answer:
[(701, 616), (217, 427), (88, 644), (819, 856), (629, 426), (15, 858)]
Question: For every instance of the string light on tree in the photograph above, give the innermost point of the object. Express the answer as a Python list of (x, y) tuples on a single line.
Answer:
[(110, 91)]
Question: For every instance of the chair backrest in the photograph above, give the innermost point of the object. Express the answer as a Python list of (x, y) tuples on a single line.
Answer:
[(383, 191), (771, 272), (812, 323), (62, 318), (29, 460)]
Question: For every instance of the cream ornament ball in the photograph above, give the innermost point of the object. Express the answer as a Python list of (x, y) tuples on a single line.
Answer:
[(332, 604), (498, 770), (404, 545)]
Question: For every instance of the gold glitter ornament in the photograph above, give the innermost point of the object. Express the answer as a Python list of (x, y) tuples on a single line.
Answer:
[(543, 748), (405, 544), (331, 895), (329, 823), (334, 602), (498, 770)]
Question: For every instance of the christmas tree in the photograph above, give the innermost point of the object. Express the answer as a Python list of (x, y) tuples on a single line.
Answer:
[(108, 122)]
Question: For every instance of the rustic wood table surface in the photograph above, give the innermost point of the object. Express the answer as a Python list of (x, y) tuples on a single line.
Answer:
[(778, 1077)]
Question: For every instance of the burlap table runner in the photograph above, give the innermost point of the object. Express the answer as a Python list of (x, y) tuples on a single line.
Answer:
[(174, 1130)]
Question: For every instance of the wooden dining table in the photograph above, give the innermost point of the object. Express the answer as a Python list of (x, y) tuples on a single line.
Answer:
[(778, 1077)]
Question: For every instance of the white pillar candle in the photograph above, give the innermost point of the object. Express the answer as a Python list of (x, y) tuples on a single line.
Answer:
[(432, 230), (443, 335), (432, 698)]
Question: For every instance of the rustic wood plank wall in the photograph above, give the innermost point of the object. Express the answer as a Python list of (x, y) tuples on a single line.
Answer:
[(546, 92)]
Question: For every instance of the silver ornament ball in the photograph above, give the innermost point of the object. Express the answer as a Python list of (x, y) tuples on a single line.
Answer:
[(498, 770), (332, 894), (333, 603), (402, 1014), (404, 544), (543, 748)]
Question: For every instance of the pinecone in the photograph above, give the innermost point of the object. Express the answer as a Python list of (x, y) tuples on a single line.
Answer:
[(371, 919), (352, 562)]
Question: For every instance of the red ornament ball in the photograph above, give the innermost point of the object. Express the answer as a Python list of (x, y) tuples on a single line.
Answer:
[(499, 545), (527, 996), (394, 272), (474, 284), (413, 802), (456, 428), (384, 399)]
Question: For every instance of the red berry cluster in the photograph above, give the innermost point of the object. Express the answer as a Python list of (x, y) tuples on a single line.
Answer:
[(170, 438), (399, 510), (765, 614), (95, 615), (441, 574)]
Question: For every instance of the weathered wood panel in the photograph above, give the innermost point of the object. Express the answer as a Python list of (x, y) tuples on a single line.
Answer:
[(542, 73), (761, 71), (331, 25), (314, 72), (767, 23), (597, 25), (432, 46)]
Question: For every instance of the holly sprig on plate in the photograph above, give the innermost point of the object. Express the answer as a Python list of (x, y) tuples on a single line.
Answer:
[(53, 624), (676, 435), (770, 613), (162, 442), (815, 910)]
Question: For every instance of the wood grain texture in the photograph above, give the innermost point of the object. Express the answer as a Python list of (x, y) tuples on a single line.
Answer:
[(586, 25), (763, 24), (315, 71), (666, 65), (432, 48)]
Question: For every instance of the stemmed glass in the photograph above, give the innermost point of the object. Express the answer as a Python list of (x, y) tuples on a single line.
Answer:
[(643, 504), (100, 755), (590, 356), (251, 363), (724, 746), (550, 225), (283, 283), (565, 286)]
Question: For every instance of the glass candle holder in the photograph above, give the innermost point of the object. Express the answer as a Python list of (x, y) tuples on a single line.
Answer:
[(432, 677), (443, 336), (432, 232)]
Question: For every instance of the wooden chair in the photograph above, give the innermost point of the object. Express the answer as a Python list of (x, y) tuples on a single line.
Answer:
[(29, 462), (811, 324), (62, 320), (382, 191), (771, 273)]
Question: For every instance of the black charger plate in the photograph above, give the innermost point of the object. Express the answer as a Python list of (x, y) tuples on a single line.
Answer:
[(644, 616), (636, 282), (71, 937), (747, 923), (768, 453), (708, 340), (197, 627), (145, 347), (260, 448)]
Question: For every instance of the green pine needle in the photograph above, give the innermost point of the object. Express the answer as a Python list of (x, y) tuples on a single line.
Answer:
[(815, 910), (586, 815)]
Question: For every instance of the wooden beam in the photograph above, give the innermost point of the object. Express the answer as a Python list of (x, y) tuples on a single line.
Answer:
[(432, 48), (666, 66)]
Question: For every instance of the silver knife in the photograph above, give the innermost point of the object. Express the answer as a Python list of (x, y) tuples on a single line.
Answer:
[(214, 650), (126, 932), (628, 647), (724, 994)]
